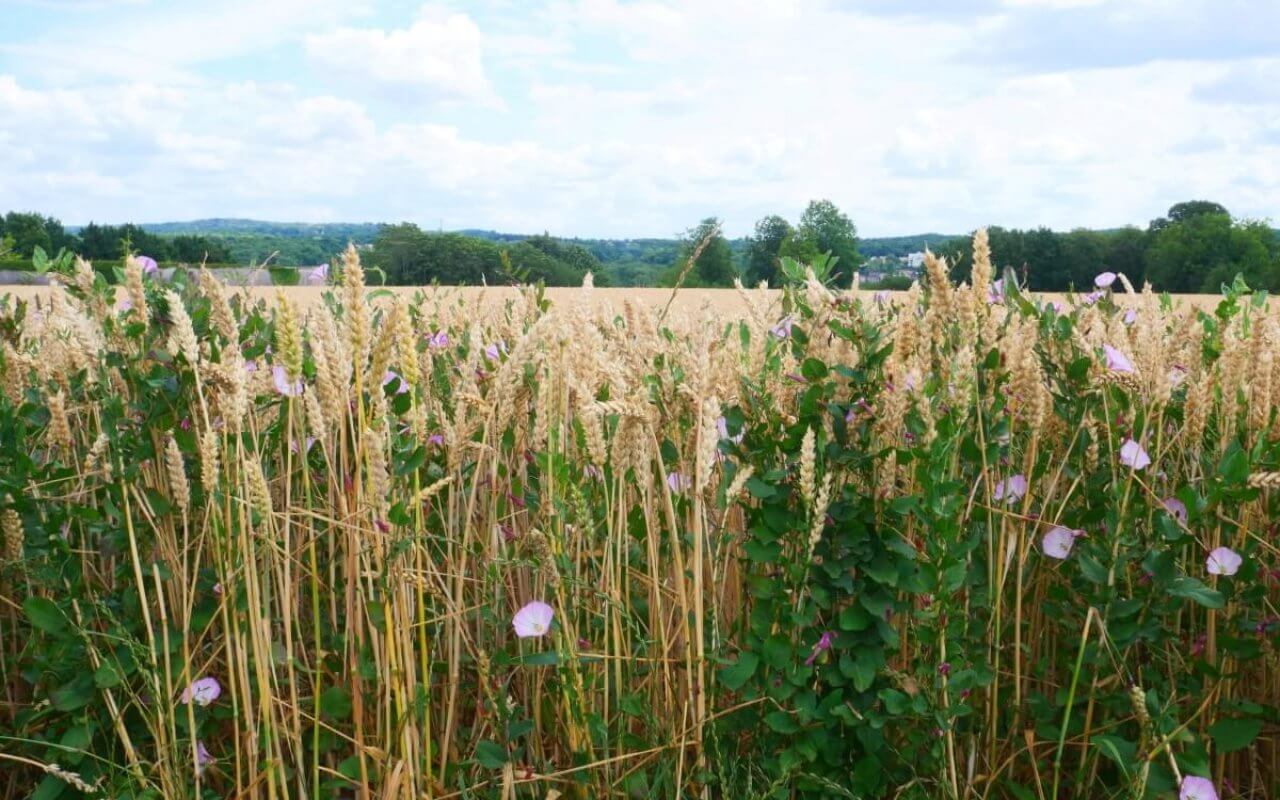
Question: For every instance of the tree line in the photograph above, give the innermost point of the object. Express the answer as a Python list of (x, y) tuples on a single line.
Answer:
[(1196, 247), (22, 232)]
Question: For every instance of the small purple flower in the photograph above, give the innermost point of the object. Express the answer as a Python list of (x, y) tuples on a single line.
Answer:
[(1116, 360), (1196, 788), (401, 386), (1011, 489), (995, 294), (1223, 561), (783, 329), (310, 441), (1132, 455), (203, 758), (201, 692), (823, 645), (1057, 543), (678, 482), (318, 275), (149, 265), (533, 620), (281, 378), (1176, 508), (1104, 280)]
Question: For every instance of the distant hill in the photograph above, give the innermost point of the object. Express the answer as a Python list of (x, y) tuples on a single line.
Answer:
[(359, 232), (629, 261), (901, 245)]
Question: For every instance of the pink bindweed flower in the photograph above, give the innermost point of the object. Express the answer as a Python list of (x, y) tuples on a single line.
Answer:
[(1132, 455), (1196, 788), (1223, 561), (678, 482), (281, 378), (783, 329), (203, 758), (1116, 360), (202, 692), (149, 265), (401, 386), (318, 275), (533, 620), (1011, 489), (995, 294), (1176, 508), (823, 645), (1057, 543), (1104, 280)]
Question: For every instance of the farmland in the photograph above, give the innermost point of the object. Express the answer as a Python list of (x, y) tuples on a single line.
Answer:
[(951, 542)]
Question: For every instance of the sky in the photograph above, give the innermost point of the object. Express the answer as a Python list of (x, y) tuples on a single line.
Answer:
[(638, 118)]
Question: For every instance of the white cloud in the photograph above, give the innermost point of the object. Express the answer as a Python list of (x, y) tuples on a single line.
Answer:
[(638, 118), (439, 52)]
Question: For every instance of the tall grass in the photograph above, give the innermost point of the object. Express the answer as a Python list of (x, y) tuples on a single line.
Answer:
[(838, 546)]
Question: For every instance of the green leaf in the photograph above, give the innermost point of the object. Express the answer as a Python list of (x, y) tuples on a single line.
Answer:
[(782, 722), (1231, 735), (1234, 467), (759, 489), (490, 754), (107, 676), (44, 614), (543, 659), (1121, 751), (49, 788), (739, 672), (336, 703), (1193, 589), (73, 695)]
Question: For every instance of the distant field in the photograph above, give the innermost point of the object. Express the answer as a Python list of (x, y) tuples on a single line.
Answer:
[(723, 301)]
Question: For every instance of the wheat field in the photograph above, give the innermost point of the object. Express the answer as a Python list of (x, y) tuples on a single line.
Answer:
[(513, 543)]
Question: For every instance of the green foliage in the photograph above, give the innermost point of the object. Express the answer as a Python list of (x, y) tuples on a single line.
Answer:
[(411, 256), (829, 230), (704, 259)]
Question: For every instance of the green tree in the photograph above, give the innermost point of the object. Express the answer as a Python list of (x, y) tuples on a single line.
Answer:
[(28, 231), (714, 263), (829, 230), (1198, 252), (772, 234)]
